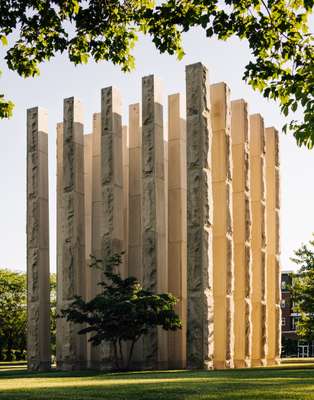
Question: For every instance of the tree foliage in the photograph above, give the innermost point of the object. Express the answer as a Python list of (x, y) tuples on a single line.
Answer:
[(12, 315), (122, 312), (277, 31), (303, 290)]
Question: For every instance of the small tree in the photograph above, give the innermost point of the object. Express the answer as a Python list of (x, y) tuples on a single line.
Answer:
[(303, 290), (122, 312), (13, 315)]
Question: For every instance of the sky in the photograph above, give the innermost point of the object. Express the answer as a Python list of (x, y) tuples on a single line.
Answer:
[(60, 79)]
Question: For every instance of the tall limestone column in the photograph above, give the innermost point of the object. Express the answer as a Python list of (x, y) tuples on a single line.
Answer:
[(88, 176), (96, 275), (177, 213), (135, 267), (72, 354), (154, 257), (135, 193), (241, 234), (257, 164), (38, 287), (108, 229), (125, 154), (200, 342), (111, 172), (272, 246), (60, 321), (223, 272), (96, 202)]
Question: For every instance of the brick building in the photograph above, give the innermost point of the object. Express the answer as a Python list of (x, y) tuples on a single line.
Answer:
[(292, 346)]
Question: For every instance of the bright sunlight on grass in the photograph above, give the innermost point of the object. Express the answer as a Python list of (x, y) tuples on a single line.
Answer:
[(289, 382)]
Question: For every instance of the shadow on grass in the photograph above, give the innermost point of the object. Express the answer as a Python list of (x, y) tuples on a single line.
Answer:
[(270, 384)]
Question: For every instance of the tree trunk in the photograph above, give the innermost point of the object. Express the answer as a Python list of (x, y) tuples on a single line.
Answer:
[(116, 357), (130, 354)]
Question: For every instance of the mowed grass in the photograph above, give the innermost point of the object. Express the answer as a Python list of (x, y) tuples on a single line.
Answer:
[(288, 382)]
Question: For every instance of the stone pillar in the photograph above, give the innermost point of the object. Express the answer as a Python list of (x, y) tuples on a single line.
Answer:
[(177, 242), (73, 346), (38, 287), (107, 196), (125, 155), (60, 322), (111, 172), (88, 176), (154, 258), (223, 270), (272, 246), (135, 190), (96, 275), (200, 344), (135, 267), (257, 161), (241, 234)]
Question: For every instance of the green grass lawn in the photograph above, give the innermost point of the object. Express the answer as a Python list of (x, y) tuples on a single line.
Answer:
[(288, 382)]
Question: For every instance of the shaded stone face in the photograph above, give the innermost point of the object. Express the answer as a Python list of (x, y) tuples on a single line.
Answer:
[(154, 260), (71, 241), (177, 214), (199, 220), (38, 343)]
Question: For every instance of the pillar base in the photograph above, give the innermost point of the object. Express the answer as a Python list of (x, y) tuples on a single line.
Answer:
[(177, 364), (225, 364), (65, 366), (273, 361), (259, 363), (243, 363), (38, 365)]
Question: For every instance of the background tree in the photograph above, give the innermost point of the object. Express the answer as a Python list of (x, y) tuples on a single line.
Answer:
[(122, 312), (277, 32), (13, 316), (303, 290)]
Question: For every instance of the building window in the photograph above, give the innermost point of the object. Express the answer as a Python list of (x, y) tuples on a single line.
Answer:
[(283, 285), (294, 323), (283, 303), (283, 321)]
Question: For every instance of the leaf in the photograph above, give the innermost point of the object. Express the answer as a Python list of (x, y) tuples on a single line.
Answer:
[(4, 40)]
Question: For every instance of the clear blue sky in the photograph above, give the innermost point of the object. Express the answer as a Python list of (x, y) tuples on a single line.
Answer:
[(60, 79)]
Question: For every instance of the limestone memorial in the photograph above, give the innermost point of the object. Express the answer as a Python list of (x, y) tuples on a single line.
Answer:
[(193, 202)]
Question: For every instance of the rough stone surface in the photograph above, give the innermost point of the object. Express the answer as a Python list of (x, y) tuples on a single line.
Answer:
[(177, 214), (97, 218), (200, 346), (135, 267), (259, 316), (59, 321), (154, 260), (38, 294), (88, 177), (223, 267), (108, 200), (241, 235), (272, 247), (125, 154), (72, 354)]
